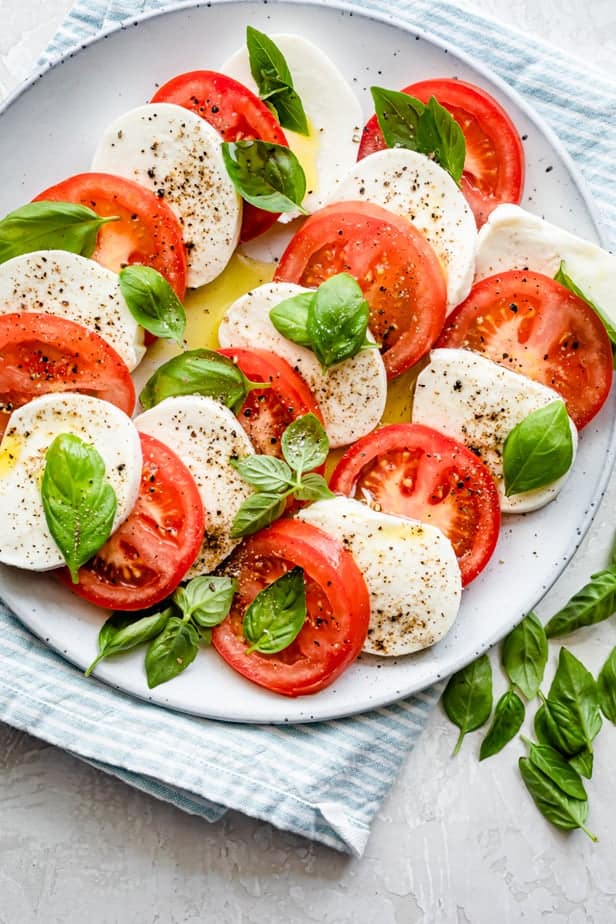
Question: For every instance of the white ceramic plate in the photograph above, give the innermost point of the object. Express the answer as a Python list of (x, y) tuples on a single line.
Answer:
[(49, 131)]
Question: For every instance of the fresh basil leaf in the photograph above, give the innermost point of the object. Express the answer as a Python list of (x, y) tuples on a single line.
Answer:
[(606, 687), (50, 226), (439, 136), (206, 599), (467, 699), (568, 741), (205, 635), (199, 372), (275, 617), (582, 762), (338, 320), (548, 734), (555, 805), (565, 280), (171, 652), (78, 501), (398, 116), (595, 602), (525, 654), (573, 703), (152, 302), (265, 473), (539, 724), (538, 450), (313, 488), (557, 769), (290, 318), (122, 632), (271, 73), (304, 444), (507, 721), (268, 176), (257, 512)]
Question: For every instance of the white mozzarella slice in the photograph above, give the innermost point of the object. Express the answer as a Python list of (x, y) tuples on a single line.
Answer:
[(333, 111), (73, 287), (177, 155), (412, 185), (25, 540), (514, 239), (477, 402), (351, 395), (410, 569), (205, 435)]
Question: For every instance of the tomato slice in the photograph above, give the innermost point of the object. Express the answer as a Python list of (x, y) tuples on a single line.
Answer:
[(41, 353), (236, 113), (494, 164), (338, 609), (149, 554), (398, 272), (535, 326), (266, 414), (414, 471), (148, 232)]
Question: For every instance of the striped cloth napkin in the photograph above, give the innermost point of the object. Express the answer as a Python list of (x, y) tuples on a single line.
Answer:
[(326, 780)]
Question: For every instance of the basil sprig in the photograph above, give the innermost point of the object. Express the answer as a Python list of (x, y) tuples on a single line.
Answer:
[(538, 450), (199, 372), (332, 321), (78, 501), (565, 280), (152, 302), (50, 226), (429, 129), (266, 175), (467, 699), (304, 446), (273, 78), (593, 603), (525, 654), (508, 717), (275, 617)]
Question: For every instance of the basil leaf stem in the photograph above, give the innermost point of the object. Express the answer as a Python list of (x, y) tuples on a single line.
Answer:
[(594, 603), (275, 617), (525, 654), (271, 73), (507, 721), (152, 302), (467, 699), (539, 450), (50, 226), (266, 175)]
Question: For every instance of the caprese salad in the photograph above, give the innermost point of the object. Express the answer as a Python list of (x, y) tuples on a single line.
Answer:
[(308, 455)]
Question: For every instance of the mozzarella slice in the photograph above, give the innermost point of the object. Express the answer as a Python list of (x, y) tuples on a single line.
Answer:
[(70, 286), (410, 570), (25, 540), (206, 436), (332, 109), (177, 155), (477, 402), (412, 185), (351, 395), (514, 239)]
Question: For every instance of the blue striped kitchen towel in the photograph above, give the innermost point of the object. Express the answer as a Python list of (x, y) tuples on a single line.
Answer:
[(326, 780)]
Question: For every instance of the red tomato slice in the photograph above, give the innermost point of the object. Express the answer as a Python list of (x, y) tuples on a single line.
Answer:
[(414, 471), (494, 164), (41, 353), (266, 414), (236, 113), (149, 554), (148, 232), (398, 272), (337, 602), (535, 326)]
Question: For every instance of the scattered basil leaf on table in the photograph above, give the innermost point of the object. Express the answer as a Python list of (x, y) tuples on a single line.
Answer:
[(507, 721), (583, 762), (606, 687), (538, 450), (556, 806), (467, 699), (275, 617), (273, 78), (304, 444), (556, 768), (78, 501), (595, 602), (257, 512), (199, 372), (563, 277), (206, 599), (123, 632), (525, 654), (171, 651), (152, 302), (50, 226), (573, 703), (266, 175)]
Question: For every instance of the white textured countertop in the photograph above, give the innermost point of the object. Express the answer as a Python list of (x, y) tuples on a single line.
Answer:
[(457, 842)]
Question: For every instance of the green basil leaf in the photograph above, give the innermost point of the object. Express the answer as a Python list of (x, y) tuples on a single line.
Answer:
[(273, 78), (313, 488), (152, 302), (582, 762), (50, 226), (122, 632), (275, 617), (205, 635), (171, 652), (290, 318), (613, 555), (573, 702), (268, 176), (304, 444), (439, 136), (557, 769), (78, 501), (398, 116), (595, 602), (265, 473), (565, 280), (555, 805), (337, 320), (199, 372), (257, 512), (569, 741), (606, 687), (538, 450), (206, 599), (525, 654), (507, 721), (467, 699), (547, 733)]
